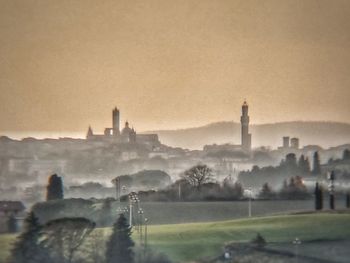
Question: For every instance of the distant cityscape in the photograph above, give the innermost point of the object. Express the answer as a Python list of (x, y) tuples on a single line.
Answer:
[(118, 151), (129, 135), (174, 131)]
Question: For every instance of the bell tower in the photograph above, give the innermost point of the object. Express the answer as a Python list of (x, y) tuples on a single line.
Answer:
[(116, 121), (246, 137)]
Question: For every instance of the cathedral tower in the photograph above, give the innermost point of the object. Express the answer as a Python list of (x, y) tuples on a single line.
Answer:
[(245, 135), (116, 121), (90, 133)]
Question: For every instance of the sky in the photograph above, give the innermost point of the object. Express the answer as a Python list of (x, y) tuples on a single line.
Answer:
[(166, 64)]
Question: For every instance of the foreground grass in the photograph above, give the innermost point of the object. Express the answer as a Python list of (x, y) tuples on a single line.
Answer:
[(186, 242), (5, 246)]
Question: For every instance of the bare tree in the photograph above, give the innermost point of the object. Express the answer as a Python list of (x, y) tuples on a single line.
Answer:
[(64, 236), (95, 247), (198, 175)]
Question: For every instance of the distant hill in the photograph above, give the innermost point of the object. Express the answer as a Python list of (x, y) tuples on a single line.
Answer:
[(325, 134)]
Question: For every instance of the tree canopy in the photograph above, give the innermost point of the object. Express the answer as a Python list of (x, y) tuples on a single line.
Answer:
[(120, 244), (198, 175), (54, 188), (28, 248), (316, 169), (64, 236)]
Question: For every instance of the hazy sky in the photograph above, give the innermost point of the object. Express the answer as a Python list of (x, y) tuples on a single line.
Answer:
[(171, 64)]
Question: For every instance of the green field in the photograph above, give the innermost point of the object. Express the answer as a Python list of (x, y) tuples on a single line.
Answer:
[(186, 242), (5, 245), (190, 241)]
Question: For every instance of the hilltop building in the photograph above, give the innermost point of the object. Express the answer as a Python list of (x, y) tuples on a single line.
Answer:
[(246, 137), (126, 135), (294, 143), (289, 143), (285, 142)]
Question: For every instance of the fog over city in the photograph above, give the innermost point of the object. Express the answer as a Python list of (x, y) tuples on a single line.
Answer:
[(184, 131)]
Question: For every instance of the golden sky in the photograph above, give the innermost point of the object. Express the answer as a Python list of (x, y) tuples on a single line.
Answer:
[(171, 64)]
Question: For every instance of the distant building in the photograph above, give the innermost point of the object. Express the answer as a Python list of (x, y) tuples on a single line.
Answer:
[(294, 143), (246, 137), (237, 151), (116, 121), (288, 143), (161, 154), (285, 142), (222, 147), (129, 155), (126, 135), (148, 139)]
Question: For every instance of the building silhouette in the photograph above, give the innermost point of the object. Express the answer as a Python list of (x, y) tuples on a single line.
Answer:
[(294, 143), (242, 150), (285, 142), (289, 143), (126, 135), (246, 137), (116, 121)]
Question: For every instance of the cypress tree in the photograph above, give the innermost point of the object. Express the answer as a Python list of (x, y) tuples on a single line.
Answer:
[(54, 188), (266, 192), (27, 248), (307, 165), (348, 200), (303, 164), (318, 197), (120, 244), (291, 162), (105, 218), (346, 155), (331, 191), (316, 169)]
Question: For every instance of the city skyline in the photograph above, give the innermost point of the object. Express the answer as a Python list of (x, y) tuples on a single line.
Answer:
[(170, 65)]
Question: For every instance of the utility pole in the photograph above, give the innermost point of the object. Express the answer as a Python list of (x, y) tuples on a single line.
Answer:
[(331, 190), (179, 192), (140, 212), (250, 202), (145, 247), (146, 225), (130, 211), (118, 189), (116, 182), (133, 198)]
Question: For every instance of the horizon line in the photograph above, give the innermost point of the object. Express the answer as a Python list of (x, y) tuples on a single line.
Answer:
[(50, 134)]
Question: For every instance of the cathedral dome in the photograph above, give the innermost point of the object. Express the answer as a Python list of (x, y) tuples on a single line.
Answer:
[(126, 130)]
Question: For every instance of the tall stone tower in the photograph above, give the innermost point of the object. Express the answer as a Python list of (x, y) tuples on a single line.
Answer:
[(116, 121), (245, 135)]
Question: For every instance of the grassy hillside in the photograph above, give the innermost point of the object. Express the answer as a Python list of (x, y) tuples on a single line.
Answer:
[(185, 242), (5, 246), (189, 241)]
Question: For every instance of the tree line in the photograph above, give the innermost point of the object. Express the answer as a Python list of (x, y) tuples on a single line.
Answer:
[(289, 167), (198, 184), (68, 240)]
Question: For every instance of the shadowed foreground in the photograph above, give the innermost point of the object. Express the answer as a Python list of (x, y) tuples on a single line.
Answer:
[(187, 242)]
